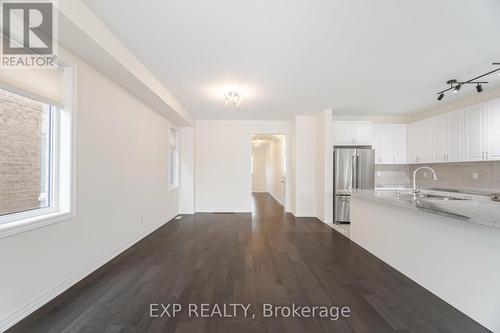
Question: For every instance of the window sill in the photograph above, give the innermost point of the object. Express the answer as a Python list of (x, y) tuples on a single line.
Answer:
[(27, 224)]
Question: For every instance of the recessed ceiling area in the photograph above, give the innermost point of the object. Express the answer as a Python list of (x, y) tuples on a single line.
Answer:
[(359, 57)]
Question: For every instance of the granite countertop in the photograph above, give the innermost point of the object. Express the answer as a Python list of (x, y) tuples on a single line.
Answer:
[(475, 208)]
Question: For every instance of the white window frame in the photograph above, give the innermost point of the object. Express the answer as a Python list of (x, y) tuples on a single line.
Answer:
[(62, 166), (173, 164)]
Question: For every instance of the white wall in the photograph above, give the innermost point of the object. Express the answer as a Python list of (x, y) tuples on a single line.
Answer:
[(454, 259), (275, 169), (324, 167), (122, 171), (304, 138), (259, 169), (223, 179), (186, 170)]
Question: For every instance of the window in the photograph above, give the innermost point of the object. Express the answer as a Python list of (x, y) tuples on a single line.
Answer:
[(174, 158), (35, 164)]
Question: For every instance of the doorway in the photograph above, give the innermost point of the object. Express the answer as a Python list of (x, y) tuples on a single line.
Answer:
[(269, 169)]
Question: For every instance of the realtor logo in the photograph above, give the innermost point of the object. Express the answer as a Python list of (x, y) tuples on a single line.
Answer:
[(28, 30)]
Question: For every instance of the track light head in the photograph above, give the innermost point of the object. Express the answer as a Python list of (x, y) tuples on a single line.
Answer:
[(479, 88), (457, 89), (440, 97)]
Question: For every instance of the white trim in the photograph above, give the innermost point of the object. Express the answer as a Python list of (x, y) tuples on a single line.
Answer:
[(15, 227), (25, 310), (62, 169)]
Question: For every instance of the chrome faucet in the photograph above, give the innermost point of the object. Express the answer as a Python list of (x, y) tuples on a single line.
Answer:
[(415, 191)]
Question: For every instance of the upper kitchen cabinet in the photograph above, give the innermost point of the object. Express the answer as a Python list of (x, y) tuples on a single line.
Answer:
[(493, 145), (475, 132), (390, 143), (440, 130), (413, 143), (456, 136), (352, 133), (420, 141), (448, 137)]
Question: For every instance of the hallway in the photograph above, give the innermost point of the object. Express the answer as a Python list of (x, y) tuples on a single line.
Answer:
[(267, 257)]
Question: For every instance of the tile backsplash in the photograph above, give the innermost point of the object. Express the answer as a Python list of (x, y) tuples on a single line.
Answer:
[(472, 176), (392, 175), (483, 177)]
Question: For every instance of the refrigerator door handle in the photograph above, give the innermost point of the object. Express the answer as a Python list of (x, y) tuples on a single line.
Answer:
[(358, 173), (354, 173)]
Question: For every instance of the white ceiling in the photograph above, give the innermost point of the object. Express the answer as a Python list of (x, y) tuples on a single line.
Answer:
[(357, 57)]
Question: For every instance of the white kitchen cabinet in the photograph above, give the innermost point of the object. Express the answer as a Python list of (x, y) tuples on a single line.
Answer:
[(344, 133), (441, 138), (421, 141), (456, 136), (390, 143), (413, 143), (448, 137), (376, 141), (426, 140), (493, 144), (352, 133), (363, 133), (475, 132), (400, 136)]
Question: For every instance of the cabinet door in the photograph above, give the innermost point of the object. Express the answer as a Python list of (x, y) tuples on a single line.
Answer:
[(399, 139), (440, 135), (387, 145), (413, 143), (376, 141), (494, 130), (363, 133), (344, 133), (426, 140), (456, 136), (474, 136)]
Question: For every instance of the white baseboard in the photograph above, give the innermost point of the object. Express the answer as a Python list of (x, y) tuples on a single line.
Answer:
[(279, 201), (25, 310)]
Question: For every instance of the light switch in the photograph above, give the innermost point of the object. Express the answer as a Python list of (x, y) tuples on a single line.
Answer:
[(475, 175)]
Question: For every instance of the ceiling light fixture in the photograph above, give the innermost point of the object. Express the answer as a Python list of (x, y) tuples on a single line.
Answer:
[(233, 98), (456, 85)]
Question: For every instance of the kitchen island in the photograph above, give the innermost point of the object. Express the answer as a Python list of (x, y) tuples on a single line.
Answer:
[(454, 251)]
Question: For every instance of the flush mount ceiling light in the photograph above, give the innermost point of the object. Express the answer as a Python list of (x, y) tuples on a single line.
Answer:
[(456, 85), (233, 98)]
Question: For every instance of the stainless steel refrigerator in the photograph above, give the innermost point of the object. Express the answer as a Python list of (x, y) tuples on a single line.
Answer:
[(353, 168)]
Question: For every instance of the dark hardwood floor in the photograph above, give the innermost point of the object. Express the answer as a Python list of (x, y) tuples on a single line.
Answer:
[(267, 257)]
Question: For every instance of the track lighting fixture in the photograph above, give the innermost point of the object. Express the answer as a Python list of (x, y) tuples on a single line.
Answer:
[(456, 85)]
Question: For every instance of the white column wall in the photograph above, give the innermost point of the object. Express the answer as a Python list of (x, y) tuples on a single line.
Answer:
[(305, 161), (186, 170)]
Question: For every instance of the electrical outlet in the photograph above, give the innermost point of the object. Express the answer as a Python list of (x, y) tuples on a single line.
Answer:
[(140, 217), (475, 175), (425, 174), (378, 173)]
